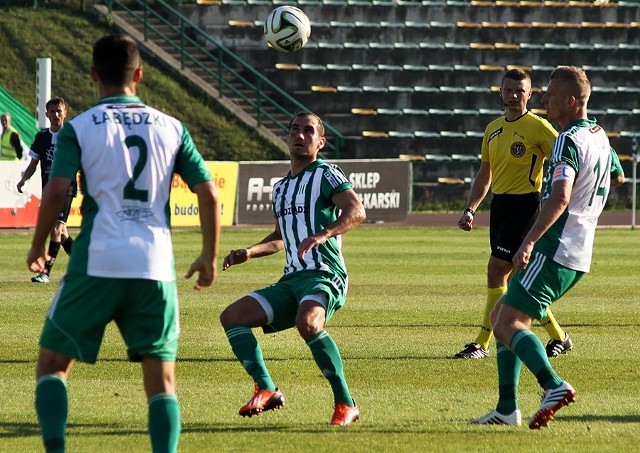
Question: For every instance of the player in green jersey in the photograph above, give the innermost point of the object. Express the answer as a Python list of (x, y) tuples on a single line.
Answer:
[(122, 266), (313, 206), (557, 250)]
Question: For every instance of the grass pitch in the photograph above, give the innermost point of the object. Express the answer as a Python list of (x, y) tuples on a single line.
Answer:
[(416, 295)]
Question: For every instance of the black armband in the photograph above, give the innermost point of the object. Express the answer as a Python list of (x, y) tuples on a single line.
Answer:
[(470, 211)]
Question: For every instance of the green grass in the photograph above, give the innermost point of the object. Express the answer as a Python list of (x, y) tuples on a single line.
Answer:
[(415, 297)]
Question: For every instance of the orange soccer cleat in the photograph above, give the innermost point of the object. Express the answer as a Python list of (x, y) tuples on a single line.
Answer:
[(262, 400), (345, 414), (552, 401)]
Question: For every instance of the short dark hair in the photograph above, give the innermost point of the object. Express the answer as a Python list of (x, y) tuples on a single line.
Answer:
[(311, 114), (516, 74), (55, 101), (115, 59)]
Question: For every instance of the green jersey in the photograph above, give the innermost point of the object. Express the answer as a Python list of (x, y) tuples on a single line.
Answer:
[(127, 153), (581, 155), (303, 206)]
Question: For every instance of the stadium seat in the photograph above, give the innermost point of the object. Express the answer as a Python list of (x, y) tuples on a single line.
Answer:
[(375, 134), (415, 111), (506, 46), (513, 24), (363, 67), (465, 157), (288, 66), (416, 24), (349, 89), (440, 112), (389, 111), (465, 112), (401, 134), (487, 24), (543, 24), (438, 157), (324, 89), (357, 111), (453, 89), (380, 45), (355, 45), (374, 89), (490, 67), (481, 45), (492, 112), (440, 24), (426, 89)]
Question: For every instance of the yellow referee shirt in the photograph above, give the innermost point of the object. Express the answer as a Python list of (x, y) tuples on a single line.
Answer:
[(516, 151)]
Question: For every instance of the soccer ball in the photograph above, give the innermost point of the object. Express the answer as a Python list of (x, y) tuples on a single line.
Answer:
[(287, 29)]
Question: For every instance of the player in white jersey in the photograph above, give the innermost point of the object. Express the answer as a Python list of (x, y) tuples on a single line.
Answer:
[(556, 252), (313, 206), (122, 267)]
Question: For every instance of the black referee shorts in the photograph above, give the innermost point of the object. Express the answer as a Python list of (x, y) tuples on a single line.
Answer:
[(511, 218)]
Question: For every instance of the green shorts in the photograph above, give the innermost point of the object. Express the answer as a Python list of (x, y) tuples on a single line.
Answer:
[(281, 300), (145, 311), (543, 282)]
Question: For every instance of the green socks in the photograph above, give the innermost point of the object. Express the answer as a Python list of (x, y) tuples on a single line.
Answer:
[(531, 351), (327, 357), (52, 409), (164, 423), (324, 350), (509, 366), (246, 348)]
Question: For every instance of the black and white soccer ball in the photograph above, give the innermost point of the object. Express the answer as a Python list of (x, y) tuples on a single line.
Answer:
[(287, 29)]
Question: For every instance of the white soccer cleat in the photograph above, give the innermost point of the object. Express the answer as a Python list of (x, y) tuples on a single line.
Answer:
[(552, 401), (496, 418)]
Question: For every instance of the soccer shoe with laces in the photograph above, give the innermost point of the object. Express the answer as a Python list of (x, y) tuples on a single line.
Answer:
[(263, 400), (496, 418), (472, 351), (345, 414), (40, 278), (556, 347), (552, 401)]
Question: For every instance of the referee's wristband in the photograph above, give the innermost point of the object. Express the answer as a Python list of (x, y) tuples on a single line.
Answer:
[(470, 211)]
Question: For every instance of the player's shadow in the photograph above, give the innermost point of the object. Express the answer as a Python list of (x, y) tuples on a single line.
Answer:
[(16, 361), (601, 418), (12, 429), (16, 430)]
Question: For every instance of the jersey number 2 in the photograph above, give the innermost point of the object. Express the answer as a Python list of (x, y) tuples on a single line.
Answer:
[(130, 192)]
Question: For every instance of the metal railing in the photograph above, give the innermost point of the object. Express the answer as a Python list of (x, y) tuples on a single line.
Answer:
[(232, 75)]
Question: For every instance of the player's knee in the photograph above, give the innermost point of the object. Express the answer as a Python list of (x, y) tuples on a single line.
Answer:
[(309, 326)]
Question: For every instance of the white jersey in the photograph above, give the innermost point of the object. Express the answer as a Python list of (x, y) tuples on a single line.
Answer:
[(302, 206), (127, 153), (582, 152)]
